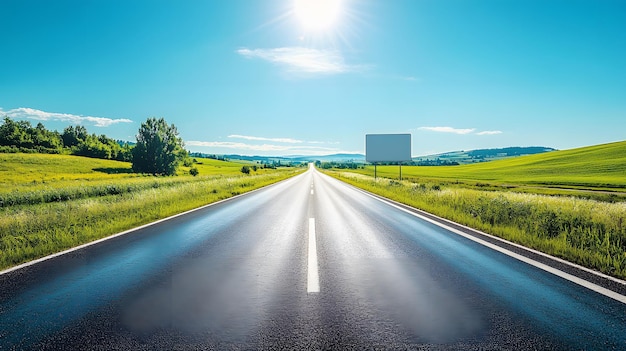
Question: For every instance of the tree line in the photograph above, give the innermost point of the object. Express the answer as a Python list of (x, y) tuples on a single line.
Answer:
[(21, 136), (159, 149), (339, 165)]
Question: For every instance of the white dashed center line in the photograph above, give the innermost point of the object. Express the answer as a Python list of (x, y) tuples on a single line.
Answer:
[(313, 282)]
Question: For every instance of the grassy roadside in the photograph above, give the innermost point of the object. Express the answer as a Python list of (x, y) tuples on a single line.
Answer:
[(586, 232), (101, 204)]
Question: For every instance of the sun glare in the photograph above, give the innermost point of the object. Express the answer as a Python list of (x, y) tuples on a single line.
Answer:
[(317, 15)]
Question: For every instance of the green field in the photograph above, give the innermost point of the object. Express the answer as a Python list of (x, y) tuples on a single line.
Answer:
[(35, 171), (600, 167), (49, 203), (585, 229)]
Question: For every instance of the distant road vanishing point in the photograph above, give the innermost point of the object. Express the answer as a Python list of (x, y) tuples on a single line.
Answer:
[(308, 263)]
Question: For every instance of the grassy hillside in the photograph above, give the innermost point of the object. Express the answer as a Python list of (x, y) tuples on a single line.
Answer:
[(600, 166), (26, 169), (481, 155)]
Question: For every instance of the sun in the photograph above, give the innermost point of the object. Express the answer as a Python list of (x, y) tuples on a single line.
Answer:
[(317, 15)]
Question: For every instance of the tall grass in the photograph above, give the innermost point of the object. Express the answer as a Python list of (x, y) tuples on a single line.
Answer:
[(83, 190), (31, 231), (586, 232)]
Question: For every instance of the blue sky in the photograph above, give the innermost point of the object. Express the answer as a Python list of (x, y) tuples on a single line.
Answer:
[(269, 78)]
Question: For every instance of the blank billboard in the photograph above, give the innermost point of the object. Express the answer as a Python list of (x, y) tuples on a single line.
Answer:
[(387, 147)]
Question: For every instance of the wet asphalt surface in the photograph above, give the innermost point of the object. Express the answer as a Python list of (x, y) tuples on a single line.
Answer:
[(234, 276)]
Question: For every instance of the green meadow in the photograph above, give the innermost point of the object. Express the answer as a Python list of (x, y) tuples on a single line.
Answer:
[(33, 171), (49, 203), (569, 203)]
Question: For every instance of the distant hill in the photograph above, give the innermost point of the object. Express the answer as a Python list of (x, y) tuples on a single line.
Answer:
[(357, 158), (479, 155), (261, 159), (448, 158)]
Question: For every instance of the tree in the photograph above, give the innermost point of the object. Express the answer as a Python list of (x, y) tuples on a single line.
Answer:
[(92, 146), (159, 149), (245, 170), (72, 136), (46, 139)]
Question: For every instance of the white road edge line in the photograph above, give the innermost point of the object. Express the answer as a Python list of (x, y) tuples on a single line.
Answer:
[(313, 280), (589, 285)]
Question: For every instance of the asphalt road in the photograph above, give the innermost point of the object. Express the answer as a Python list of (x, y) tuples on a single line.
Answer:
[(309, 263)]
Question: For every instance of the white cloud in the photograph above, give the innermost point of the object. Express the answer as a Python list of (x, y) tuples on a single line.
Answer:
[(448, 130), (38, 115), (489, 132), (303, 60), (281, 140), (263, 147), (276, 140), (460, 131), (324, 142), (234, 145)]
